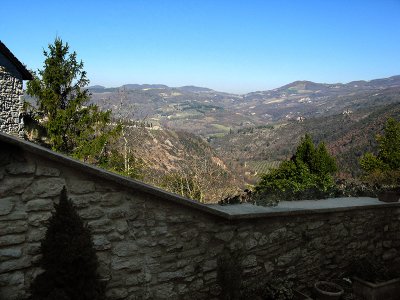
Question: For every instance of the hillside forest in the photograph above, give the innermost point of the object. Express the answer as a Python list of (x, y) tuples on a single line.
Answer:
[(304, 140)]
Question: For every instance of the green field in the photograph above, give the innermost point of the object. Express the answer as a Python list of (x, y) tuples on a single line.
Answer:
[(260, 167), (221, 127)]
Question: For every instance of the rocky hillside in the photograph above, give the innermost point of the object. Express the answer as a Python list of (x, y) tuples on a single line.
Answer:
[(169, 155), (347, 135)]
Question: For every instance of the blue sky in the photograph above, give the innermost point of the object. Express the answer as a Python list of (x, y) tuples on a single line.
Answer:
[(235, 46)]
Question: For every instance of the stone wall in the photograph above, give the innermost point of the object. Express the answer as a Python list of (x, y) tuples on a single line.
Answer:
[(11, 104), (153, 245)]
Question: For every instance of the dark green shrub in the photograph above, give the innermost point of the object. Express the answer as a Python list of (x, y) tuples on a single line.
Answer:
[(384, 168), (268, 289), (354, 188), (241, 197), (229, 275), (69, 259), (372, 269), (307, 175)]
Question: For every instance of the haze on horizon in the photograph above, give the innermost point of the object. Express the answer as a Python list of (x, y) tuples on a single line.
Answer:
[(228, 46)]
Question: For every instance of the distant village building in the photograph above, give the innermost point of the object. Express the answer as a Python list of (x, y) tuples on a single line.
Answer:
[(347, 112), (300, 119), (12, 74), (305, 100)]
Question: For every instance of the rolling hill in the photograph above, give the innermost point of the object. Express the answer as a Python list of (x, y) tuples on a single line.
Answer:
[(213, 114)]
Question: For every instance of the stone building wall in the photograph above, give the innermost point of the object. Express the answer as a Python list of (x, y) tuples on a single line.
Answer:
[(153, 245), (11, 104)]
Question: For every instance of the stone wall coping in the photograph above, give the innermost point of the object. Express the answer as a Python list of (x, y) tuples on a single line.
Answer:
[(304, 207), (106, 175), (228, 212)]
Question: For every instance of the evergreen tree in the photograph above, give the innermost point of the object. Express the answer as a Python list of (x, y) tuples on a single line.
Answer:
[(317, 159), (309, 174), (324, 163), (305, 152), (70, 124), (389, 145), (69, 259), (384, 168)]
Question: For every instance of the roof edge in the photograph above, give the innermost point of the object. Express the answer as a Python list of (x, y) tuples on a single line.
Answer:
[(26, 75)]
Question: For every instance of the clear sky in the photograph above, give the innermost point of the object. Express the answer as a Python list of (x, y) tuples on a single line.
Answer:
[(235, 46)]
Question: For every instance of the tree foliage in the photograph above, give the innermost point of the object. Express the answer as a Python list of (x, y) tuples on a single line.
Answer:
[(71, 125), (69, 259), (311, 168), (384, 168), (183, 184), (130, 165), (200, 178)]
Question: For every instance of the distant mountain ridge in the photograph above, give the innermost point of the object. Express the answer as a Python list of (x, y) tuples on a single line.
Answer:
[(392, 81), (211, 113), (187, 88)]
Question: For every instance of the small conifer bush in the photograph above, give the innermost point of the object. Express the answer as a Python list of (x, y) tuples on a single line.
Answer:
[(68, 258), (229, 274)]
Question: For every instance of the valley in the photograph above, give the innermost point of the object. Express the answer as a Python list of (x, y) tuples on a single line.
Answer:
[(253, 132), (210, 113)]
